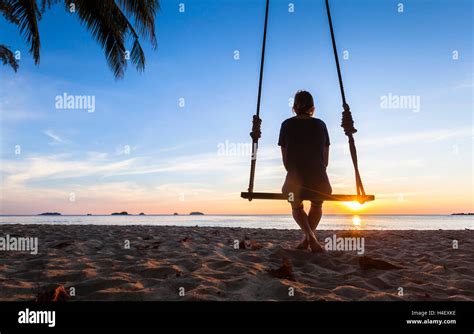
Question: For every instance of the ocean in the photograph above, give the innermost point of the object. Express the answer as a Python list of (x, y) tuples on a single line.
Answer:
[(328, 222)]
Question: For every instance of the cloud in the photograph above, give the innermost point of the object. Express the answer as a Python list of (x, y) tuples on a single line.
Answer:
[(55, 137), (155, 179), (54, 167), (410, 138), (110, 177), (18, 115), (93, 155), (462, 86)]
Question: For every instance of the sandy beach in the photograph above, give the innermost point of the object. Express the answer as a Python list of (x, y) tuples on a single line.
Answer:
[(201, 263)]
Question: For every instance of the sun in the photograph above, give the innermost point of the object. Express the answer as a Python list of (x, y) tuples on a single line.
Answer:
[(354, 206)]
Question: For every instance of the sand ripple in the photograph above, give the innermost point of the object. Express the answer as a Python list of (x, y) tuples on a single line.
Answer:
[(189, 263)]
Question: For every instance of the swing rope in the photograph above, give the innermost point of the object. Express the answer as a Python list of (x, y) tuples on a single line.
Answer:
[(347, 122), (256, 121)]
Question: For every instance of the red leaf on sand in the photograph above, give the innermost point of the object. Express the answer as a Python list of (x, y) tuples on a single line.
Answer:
[(53, 294), (366, 262), (254, 245), (284, 272), (250, 244)]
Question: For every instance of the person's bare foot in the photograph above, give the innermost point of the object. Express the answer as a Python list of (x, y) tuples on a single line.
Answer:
[(304, 244), (315, 246)]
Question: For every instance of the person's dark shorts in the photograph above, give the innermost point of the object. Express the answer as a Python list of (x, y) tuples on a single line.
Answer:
[(296, 193)]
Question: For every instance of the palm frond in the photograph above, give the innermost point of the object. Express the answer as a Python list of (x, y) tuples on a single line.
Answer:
[(108, 30), (143, 12), (7, 57), (47, 4), (111, 28), (108, 21), (137, 54), (27, 14), (6, 11)]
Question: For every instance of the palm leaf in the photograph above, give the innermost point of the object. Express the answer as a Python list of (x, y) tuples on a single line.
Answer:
[(108, 21), (25, 14), (143, 12), (7, 57), (111, 28), (6, 11), (109, 31), (46, 4)]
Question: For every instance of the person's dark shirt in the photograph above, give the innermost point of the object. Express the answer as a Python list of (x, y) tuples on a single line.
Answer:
[(305, 140)]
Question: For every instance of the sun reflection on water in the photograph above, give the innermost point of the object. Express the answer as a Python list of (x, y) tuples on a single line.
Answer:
[(356, 222)]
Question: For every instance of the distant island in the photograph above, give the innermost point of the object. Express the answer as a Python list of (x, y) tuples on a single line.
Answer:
[(50, 214), (141, 214), (196, 213), (175, 214), (123, 213), (463, 214), (89, 214)]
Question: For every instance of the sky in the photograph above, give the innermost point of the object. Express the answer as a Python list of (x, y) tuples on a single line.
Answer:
[(175, 137)]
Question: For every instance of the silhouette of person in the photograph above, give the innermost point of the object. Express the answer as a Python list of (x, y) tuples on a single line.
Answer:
[(304, 142)]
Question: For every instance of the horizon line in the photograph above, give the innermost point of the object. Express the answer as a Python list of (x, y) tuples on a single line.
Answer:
[(238, 214)]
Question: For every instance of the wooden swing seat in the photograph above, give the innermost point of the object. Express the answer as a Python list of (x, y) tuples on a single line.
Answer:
[(316, 197)]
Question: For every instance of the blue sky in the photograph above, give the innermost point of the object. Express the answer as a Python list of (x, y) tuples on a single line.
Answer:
[(415, 162)]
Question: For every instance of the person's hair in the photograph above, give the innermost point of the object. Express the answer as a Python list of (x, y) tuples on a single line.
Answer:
[(303, 102)]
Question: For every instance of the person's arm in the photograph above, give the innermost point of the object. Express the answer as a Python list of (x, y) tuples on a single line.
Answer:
[(326, 155), (283, 156), (326, 147), (282, 143)]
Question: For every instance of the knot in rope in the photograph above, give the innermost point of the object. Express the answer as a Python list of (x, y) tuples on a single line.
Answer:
[(347, 122), (256, 128)]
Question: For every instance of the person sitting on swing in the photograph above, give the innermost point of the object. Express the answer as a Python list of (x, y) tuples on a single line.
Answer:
[(304, 142)]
